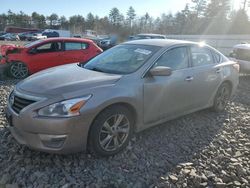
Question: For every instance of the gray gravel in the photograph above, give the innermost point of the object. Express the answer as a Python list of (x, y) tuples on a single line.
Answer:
[(204, 149)]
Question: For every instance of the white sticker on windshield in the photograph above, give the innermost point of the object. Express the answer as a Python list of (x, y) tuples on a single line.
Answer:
[(143, 51)]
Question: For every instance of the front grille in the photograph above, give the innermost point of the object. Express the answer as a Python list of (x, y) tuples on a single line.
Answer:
[(20, 103)]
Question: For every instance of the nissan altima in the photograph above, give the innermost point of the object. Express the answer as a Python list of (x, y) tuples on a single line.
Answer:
[(97, 106)]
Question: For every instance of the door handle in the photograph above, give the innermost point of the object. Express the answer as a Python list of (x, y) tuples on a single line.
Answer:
[(189, 78), (218, 70)]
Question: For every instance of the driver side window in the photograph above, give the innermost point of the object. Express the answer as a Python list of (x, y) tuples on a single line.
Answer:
[(176, 59), (49, 47)]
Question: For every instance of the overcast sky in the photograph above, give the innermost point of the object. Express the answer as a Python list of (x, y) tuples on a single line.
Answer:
[(97, 7)]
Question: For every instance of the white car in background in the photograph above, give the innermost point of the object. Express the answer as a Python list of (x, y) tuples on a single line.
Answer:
[(38, 36), (241, 54)]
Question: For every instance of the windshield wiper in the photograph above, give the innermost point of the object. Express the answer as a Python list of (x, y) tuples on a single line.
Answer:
[(96, 69)]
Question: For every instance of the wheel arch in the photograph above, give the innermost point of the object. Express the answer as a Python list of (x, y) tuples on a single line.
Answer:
[(229, 83), (129, 106), (10, 63)]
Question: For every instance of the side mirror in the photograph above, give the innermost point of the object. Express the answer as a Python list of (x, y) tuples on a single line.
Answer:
[(160, 71), (33, 51)]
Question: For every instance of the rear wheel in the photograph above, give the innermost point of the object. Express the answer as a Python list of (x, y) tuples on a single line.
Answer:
[(111, 131), (18, 70), (222, 97)]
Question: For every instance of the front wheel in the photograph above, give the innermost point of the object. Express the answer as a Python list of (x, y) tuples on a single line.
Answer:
[(111, 131), (18, 70), (222, 97)]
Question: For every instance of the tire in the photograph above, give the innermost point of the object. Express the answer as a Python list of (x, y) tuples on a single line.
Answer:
[(222, 97), (111, 131), (18, 70)]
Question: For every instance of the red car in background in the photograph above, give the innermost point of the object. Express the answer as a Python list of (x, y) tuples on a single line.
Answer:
[(20, 61)]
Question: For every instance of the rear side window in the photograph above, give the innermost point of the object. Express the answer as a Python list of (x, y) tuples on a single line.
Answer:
[(176, 59), (219, 58), (201, 56), (75, 46)]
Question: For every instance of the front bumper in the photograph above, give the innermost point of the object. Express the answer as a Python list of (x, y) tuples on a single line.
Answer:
[(52, 135)]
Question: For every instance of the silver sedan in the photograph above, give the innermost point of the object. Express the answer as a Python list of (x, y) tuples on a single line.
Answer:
[(241, 54), (131, 87)]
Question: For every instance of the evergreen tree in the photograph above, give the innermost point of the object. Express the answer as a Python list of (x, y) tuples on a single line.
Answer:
[(90, 21), (131, 15), (199, 7)]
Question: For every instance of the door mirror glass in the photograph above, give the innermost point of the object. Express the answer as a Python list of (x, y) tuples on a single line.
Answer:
[(33, 51), (160, 71)]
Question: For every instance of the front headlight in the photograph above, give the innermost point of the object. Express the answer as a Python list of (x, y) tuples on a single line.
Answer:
[(67, 108)]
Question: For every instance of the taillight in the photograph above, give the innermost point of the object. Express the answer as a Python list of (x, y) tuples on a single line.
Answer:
[(99, 51), (237, 67)]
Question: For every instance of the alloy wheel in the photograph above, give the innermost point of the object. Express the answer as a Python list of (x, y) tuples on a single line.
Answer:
[(19, 70), (222, 97), (114, 132)]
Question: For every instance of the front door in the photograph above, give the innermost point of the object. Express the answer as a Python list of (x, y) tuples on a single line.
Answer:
[(168, 96), (46, 55)]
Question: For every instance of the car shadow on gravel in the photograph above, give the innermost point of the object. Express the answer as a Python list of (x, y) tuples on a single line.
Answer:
[(243, 93), (150, 155)]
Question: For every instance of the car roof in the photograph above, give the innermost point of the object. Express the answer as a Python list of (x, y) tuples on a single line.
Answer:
[(66, 39), (159, 42), (242, 46), (150, 34)]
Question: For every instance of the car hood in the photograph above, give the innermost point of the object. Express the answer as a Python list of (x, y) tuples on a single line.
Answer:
[(8, 48), (65, 79)]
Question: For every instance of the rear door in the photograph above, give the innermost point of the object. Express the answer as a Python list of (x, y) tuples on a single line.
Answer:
[(206, 75), (46, 55), (76, 51)]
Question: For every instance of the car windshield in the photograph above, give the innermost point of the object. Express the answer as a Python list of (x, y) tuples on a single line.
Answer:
[(123, 59), (32, 43)]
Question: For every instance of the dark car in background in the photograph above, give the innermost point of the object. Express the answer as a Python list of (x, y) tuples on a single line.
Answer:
[(2, 33), (147, 36), (9, 37), (51, 34), (26, 35), (107, 42)]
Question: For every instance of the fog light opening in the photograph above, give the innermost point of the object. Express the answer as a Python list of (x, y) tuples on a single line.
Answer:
[(53, 141)]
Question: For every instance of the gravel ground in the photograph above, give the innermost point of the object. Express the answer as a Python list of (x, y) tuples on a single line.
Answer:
[(21, 43), (204, 149)]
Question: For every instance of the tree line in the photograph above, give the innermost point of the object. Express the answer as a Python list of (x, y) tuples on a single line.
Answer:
[(198, 17)]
